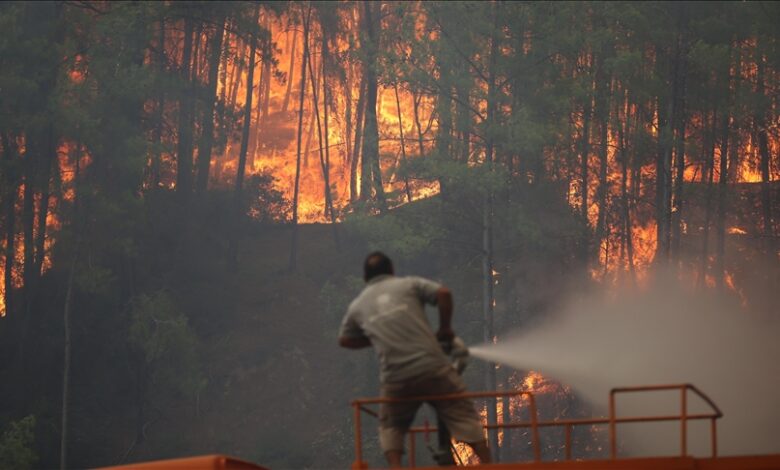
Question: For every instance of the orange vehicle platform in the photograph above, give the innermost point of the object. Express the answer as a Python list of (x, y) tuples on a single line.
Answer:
[(203, 462), (758, 462)]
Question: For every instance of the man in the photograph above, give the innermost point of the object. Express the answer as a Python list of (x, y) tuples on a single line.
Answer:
[(389, 314)]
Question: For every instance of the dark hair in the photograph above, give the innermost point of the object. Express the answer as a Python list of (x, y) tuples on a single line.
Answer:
[(376, 264)]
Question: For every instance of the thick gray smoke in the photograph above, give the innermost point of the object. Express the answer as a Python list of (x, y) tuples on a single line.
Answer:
[(662, 336)]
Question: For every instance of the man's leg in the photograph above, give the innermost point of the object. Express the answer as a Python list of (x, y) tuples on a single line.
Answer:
[(460, 416), (394, 458), (482, 450), (394, 422)]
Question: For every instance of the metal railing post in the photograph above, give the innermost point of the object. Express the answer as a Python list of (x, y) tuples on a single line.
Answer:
[(714, 435), (612, 426), (568, 442), (535, 427), (684, 421), (412, 450), (358, 464)]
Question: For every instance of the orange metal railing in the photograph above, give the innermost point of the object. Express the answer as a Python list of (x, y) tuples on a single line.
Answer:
[(568, 424), (683, 417)]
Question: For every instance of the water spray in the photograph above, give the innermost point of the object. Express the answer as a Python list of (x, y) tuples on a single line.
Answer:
[(659, 336)]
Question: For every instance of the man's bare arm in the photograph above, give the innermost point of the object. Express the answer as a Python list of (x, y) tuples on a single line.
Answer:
[(354, 343), (444, 301)]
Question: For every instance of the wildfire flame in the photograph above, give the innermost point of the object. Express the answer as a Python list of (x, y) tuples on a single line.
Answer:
[(533, 382), (407, 123), (275, 147)]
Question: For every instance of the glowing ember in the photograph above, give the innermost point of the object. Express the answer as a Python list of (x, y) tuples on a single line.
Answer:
[(728, 279), (463, 453)]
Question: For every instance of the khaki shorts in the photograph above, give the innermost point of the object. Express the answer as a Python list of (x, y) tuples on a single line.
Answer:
[(459, 415)]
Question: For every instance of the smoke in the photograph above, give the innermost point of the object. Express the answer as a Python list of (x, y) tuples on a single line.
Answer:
[(661, 336)]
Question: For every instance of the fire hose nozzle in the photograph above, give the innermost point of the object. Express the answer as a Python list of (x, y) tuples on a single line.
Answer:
[(459, 354)]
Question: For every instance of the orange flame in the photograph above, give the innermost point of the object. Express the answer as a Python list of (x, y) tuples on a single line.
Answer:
[(275, 147)]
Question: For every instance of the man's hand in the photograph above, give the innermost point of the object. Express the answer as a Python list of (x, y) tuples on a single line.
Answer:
[(445, 334), (354, 343)]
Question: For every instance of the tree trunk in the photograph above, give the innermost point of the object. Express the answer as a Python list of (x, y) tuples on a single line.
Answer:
[(347, 84), (43, 205), (663, 168), (224, 63), (242, 154), (710, 171), (312, 121), (254, 141), (729, 154), (443, 144), (241, 170), (679, 181), (221, 137), (207, 137), (28, 224), (309, 137), (668, 123), (287, 93), (258, 104), (720, 223), (626, 225), (463, 120), (294, 239), (159, 111), (623, 156), (636, 177), (80, 222), (326, 100), (10, 154), (584, 153), (267, 73), (184, 151), (763, 151), (602, 111), (194, 75), (371, 177), (678, 145), (264, 91), (487, 313), (488, 299), (66, 361), (238, 71), (403, 146), (416, 108), (324, 159), (355, 160)]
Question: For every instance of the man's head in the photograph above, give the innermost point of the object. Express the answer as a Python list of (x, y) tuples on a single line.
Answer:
[(376, 264)]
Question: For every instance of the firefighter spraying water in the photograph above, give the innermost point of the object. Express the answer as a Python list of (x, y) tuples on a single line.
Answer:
[(414, 361)]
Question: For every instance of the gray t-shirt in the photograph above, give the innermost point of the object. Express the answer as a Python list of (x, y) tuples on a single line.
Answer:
[(390, 312)]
